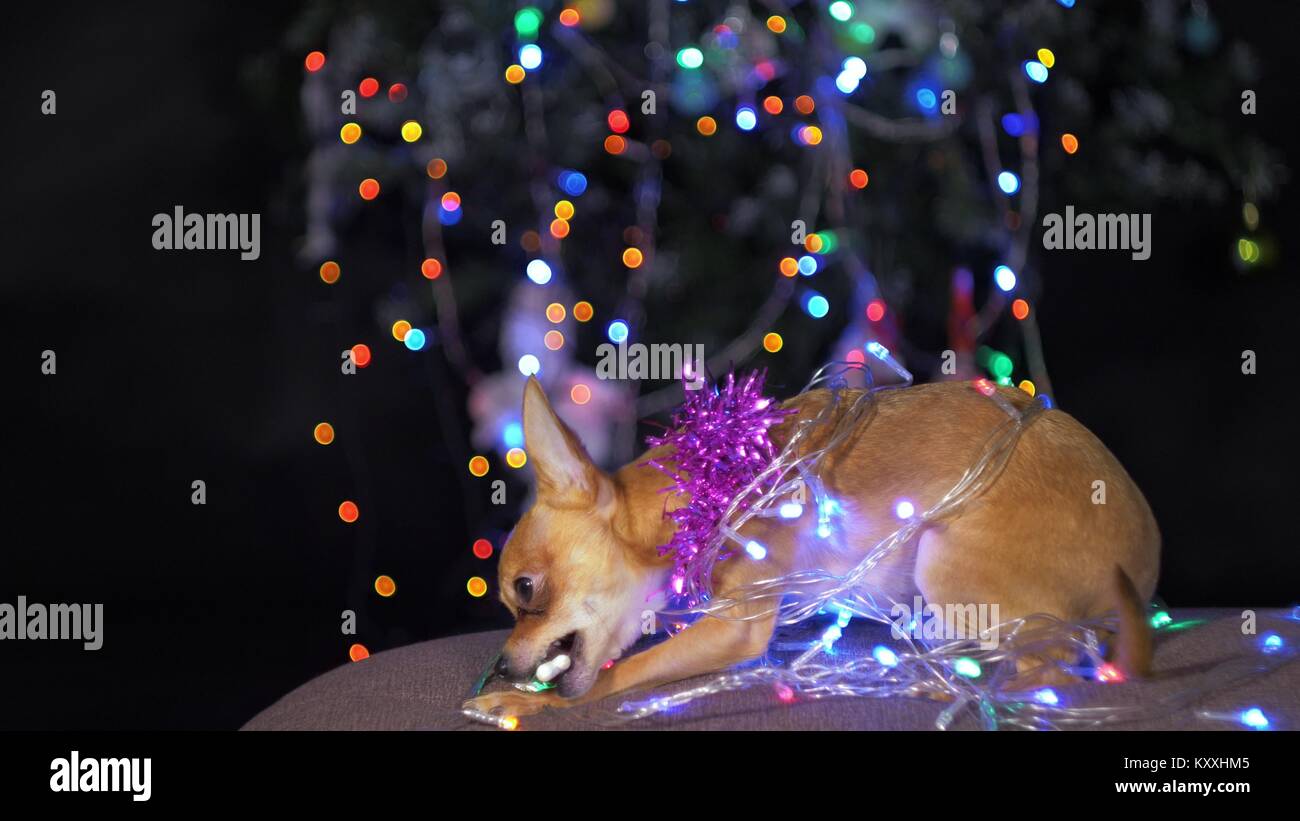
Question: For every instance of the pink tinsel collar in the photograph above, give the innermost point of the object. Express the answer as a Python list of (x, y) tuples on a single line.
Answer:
[(720, 444)]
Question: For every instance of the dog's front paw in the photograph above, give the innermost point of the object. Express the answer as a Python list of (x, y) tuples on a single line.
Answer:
[(513, 703)]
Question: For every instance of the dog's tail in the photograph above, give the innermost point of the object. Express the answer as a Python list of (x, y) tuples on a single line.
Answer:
[(1133, 646)]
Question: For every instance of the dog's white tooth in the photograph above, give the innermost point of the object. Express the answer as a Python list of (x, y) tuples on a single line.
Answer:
[(561, 663), (545, 672)]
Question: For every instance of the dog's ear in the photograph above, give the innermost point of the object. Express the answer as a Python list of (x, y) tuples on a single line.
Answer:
[(565, 473)]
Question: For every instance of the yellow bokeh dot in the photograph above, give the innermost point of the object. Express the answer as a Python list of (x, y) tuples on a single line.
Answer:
[(706, 125), (776, 24), (400, 329), (632, 257), (813, 243), (812, 135), (324, 433), (1028, 387), (411, 131), (773, 342), (515, 75), (329, 272), (554, 340), (789, 266), (385, 586), (476, 587), (516, 458), (350, 133), (478, 466), (564, 210), (583, 312), (1046, 57), (555, 312)]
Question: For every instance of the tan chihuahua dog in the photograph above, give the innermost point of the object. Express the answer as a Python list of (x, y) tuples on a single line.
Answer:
[(582, 565)]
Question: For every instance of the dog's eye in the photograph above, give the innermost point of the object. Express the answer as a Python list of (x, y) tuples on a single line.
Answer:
[(524, 589)]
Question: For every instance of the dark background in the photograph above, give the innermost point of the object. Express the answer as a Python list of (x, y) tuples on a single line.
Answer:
[(175, 367)]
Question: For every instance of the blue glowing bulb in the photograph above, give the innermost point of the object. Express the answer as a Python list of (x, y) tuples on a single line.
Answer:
[(1008, 182), (617, 331), (746, 119), (966, 666), (877, 350), (904, 509), (1004, 277), (1069, 4), (512, 435), (807, 265), (756, 550), (530, 56), (1047, 696), (1254, 718), (538, 271), (790, 510), (574, 183), (450, 217), (816, 305), (832, 635), (529, 364), (414, 339), (823, 531), (884, 656), (1271, 642), (926, 98), (1036, 71), (847, 83), (844, 618), (1013, 124)]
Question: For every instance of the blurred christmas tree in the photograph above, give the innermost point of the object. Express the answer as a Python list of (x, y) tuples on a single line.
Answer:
[(552, 176)]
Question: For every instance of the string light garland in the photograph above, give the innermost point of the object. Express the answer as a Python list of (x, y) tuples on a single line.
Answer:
[(962, 672)]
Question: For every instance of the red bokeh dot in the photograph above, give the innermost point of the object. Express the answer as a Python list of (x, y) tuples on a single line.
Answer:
[(431, 268), (358, 652), (369, 87), (618, 122), (361, 355), (397, 92), (369, 188), (315, 61), (348, 512), (876, 310), (855, 355), (482, 548), (1020, 309)]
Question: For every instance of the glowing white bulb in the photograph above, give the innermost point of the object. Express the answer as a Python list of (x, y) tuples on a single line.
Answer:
[(904, 509), (529, 364), (756, 550), (539, 272), (790, 510)]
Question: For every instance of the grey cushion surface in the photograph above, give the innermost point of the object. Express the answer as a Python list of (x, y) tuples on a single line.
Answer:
[(421, 687)]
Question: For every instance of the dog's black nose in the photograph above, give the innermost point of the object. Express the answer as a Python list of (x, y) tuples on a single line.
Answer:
[(503, 667)]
